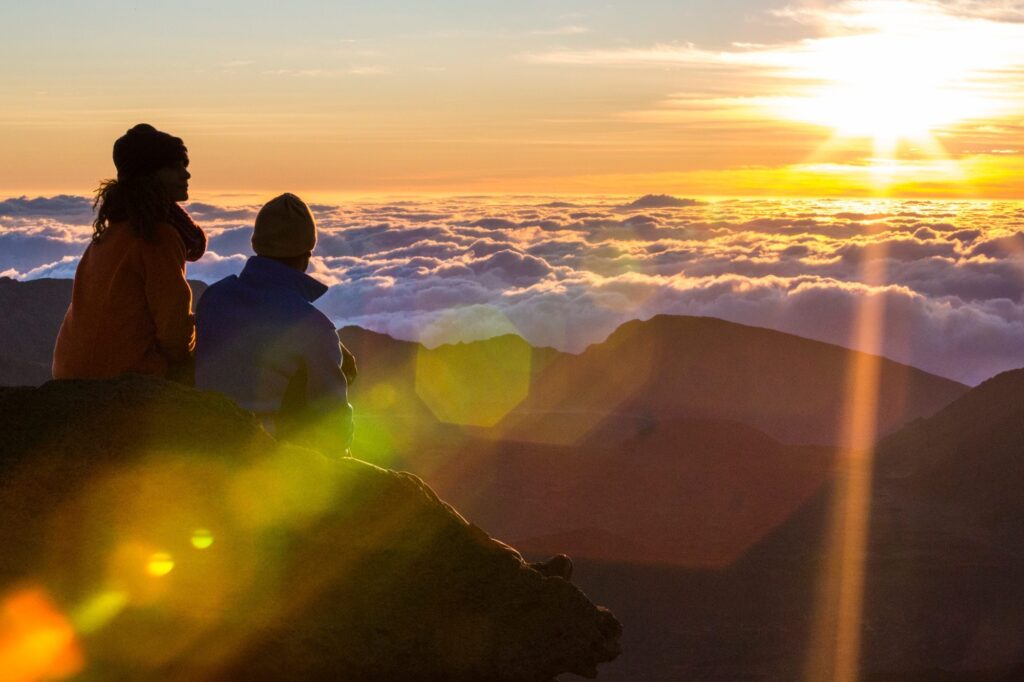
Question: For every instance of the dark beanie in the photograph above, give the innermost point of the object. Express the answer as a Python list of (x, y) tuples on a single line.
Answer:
[(144, 149), (284, 228)]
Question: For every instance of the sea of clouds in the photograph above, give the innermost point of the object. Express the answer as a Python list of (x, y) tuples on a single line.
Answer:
[(565, 272)]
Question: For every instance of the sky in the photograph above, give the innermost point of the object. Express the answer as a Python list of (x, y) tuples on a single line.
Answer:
[(902, 98)]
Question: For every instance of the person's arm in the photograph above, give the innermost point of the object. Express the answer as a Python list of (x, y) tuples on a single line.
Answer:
[(168, 295), (327, 387)]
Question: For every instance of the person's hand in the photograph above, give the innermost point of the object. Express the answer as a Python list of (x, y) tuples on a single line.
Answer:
[(348, 364)]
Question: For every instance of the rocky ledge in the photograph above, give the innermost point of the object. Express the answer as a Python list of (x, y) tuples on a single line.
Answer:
[(150, 531)]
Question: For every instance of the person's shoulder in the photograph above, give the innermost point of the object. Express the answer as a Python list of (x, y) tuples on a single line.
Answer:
[(228, 281), (315, 319), (118, 232), (222, 288)]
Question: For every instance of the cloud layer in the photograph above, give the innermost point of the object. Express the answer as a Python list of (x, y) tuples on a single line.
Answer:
[(564, 272)]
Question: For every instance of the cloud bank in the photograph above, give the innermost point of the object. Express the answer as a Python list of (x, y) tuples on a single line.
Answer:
[(565, 272)]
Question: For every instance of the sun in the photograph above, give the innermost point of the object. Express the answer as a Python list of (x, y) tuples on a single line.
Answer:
[(893, 71), (887, 90), (883, 94)]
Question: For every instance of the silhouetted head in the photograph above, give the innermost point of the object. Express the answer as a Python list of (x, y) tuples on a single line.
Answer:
[(143, 150), (285, 231), (152, 173)]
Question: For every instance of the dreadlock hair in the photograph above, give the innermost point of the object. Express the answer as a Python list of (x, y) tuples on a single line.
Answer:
[(140, 200)]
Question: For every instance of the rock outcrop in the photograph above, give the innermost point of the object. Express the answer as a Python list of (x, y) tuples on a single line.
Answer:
[(174, 539)]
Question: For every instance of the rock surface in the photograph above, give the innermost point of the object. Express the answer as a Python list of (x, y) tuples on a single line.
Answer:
[(179, 541)]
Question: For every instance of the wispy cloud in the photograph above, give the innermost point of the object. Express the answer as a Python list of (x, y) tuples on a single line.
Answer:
[(568, 30), (368, 70), (355, 70), (655, 55)]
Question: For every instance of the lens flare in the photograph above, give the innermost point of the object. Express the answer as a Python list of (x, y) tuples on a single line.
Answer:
[(97, 611), (292, 487), (160, 564), (474, 384), (379, 437), (202, 538), (834, 653), (37, 642), (382, 396)]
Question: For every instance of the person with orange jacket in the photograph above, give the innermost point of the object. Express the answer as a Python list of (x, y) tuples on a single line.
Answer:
[(131, 304)]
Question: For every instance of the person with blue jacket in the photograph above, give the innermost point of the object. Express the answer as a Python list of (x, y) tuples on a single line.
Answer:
[(261, 342)]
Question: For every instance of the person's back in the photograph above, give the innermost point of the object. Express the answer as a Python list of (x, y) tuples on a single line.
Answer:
[(261, 342)]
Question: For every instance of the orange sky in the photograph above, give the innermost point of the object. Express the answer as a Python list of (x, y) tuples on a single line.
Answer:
[(747, 97)]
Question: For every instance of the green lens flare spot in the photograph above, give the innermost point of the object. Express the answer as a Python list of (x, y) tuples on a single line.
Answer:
[(382, 396), (202, 539), (160, 564), (475, 383), (92, 615)]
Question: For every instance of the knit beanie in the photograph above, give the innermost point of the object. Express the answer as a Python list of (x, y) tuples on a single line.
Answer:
[(144, 149), (284, 228)]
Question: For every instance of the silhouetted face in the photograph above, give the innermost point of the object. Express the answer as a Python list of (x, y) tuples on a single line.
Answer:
[(174, 180)]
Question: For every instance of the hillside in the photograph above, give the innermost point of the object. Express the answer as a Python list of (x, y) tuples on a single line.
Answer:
[(691, 493), (943, 597)]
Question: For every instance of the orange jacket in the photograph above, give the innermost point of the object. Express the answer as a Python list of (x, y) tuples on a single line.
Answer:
[(130, 308)]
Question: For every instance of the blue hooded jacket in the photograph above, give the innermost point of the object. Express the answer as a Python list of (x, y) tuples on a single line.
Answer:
[(260, 341)]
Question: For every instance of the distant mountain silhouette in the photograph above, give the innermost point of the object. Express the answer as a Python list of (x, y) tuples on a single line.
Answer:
[(33, 311), (23, 372), (659, 201), (790, 387)]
